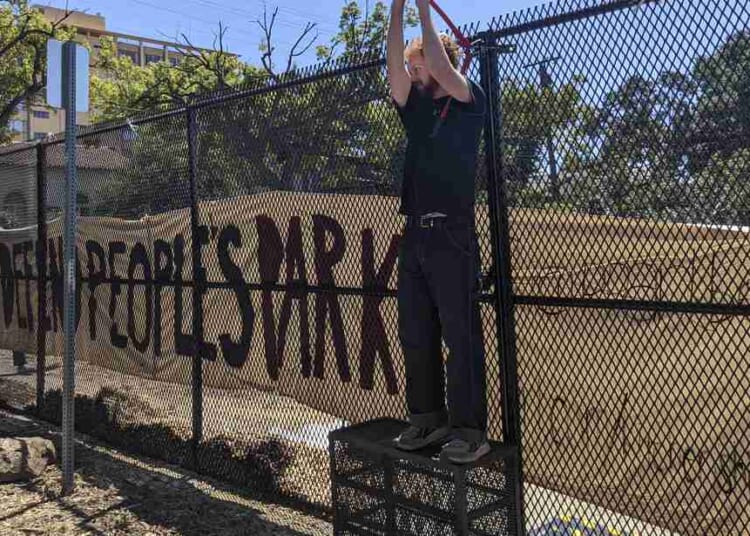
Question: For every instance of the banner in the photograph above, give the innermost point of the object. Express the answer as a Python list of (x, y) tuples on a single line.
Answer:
[(631, 410)]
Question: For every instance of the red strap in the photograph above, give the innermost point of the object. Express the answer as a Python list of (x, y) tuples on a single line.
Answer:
[(460, 37)]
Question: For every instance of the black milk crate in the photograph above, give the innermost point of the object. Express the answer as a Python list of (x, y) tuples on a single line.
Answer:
[(378, 490)]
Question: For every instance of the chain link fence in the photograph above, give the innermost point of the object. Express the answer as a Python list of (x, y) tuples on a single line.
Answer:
[(237, 268)]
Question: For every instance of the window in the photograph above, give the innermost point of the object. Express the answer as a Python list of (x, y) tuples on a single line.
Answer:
[(174, 61), (153, 58), (39, 136), (17, 125), (129, 54), (41, 114)]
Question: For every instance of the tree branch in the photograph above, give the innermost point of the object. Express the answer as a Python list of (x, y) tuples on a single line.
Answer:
[(267, 57), (216, 65), (24, 33), (38, 81), (310, 26), (268, 48)]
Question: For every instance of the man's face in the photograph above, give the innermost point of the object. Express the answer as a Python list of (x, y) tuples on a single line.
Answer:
[(420, 75)]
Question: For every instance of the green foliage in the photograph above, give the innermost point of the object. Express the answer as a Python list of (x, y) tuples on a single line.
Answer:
[(362, 34), (23, 56), (531, 116), (672, 147), (724, 189), (336, 133), (121, 89)]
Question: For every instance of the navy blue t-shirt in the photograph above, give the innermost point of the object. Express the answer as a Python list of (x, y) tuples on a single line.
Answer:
[(440, 172)]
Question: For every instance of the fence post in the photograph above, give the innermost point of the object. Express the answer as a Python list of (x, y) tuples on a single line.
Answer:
[(197, 289), (41, 274), (500, 236)]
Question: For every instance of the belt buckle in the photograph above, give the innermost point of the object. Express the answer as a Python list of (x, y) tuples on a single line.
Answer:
[(423, 219)]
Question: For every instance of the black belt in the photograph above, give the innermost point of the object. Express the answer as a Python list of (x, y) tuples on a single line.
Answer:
[(426, 221)]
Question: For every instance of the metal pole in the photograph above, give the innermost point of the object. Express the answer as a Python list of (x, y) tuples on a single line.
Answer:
[(69, 318), (197, 289), (500, 235), (41, 273)]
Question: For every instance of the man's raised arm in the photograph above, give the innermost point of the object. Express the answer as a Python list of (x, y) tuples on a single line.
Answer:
[(437, 60), (398, 77)]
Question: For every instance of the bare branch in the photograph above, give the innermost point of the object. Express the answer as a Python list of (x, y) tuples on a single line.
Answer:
[(310, 26), (267, 57), (220, 65), (298, 49), (216, 63)]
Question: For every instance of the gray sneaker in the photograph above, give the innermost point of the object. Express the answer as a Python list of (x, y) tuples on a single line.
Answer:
[(462, 451), (415, 438)]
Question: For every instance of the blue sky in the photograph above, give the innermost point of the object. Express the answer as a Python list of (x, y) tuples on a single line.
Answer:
[(198, 19)]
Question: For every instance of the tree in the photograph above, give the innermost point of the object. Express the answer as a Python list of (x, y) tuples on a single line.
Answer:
[(23, 55), (334, 133), (722, 113), (362, 34), (531, 115), (630, 152), (671, 146), (724, 188), (120, 89)]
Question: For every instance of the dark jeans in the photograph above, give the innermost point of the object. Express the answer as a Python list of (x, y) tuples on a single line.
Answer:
[(438, 284)]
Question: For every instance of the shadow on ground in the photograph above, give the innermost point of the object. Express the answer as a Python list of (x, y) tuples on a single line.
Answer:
[(116, 493)]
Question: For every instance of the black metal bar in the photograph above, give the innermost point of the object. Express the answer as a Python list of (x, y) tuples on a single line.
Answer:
[(637, 305), (462, 518), (41, 274), (500, 236), (218, 99), (276, 287), (19, 148), (390, 504), (110, 127), (571, 16), (490, 508), (676, 307), (197, 372)]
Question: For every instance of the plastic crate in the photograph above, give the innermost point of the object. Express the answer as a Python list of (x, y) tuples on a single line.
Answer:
[(378, 490)]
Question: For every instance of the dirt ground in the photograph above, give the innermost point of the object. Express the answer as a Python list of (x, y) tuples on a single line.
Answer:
[(243, 414), (119, 494)]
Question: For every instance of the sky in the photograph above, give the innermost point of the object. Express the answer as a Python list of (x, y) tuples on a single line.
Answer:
[(198, 19)]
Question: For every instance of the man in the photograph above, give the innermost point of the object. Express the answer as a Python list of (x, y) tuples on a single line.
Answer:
[(438, 270)]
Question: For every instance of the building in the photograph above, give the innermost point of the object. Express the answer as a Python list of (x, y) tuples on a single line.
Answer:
[(18, 183), (35, 120)]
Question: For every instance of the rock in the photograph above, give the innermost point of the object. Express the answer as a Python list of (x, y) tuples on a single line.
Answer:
[(24, 458)]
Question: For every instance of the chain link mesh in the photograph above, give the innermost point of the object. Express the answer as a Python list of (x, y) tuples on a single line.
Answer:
[(622, 145)]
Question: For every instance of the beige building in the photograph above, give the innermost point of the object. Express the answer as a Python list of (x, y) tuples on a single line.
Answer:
[(34, 120)]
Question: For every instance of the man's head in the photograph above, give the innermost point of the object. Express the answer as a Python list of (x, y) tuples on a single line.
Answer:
[(415, 60)]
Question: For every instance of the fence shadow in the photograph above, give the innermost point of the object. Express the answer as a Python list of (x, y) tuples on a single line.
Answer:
[(253, 469), (153, 492)]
